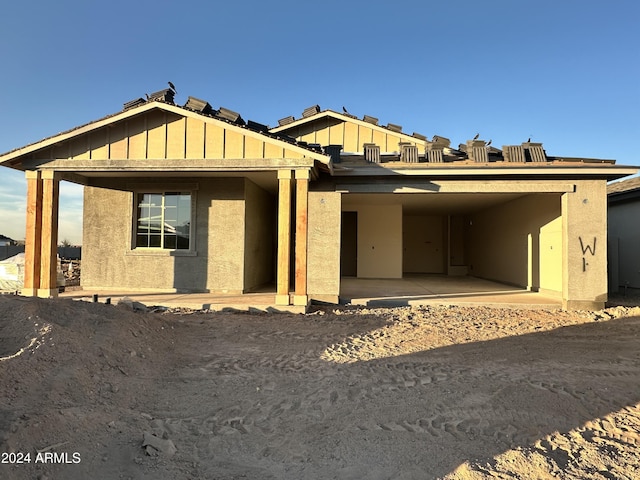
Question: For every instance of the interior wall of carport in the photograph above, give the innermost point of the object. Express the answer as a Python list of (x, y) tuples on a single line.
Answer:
[(519, 242), (379, 239), (224, 246)]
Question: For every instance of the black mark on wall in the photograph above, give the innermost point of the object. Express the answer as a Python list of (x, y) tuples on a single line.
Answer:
[(587, 248)]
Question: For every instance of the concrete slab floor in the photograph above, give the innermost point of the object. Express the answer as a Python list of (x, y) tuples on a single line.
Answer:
[(415, 289), (257, 302), (411, 290)]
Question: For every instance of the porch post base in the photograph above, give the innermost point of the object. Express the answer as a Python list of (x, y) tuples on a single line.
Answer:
[(29, 292), (582, 305), (47, 292), (301, 300), (282, 299)]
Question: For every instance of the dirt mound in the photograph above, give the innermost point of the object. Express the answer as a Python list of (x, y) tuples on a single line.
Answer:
[(404, 393), (87, 362)]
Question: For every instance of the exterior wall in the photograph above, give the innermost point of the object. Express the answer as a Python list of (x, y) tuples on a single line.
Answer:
[(423, 244), (624, 232), (218, 262), (518, 243), (323, 257), (259, 253), (224, 198), (584, 222), (379, 241), (158, 134)]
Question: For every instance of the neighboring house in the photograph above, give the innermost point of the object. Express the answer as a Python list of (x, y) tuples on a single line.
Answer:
[(5, 241), (624, 234), (194, 199)]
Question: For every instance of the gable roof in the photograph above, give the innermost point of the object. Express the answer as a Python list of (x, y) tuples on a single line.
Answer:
[(223, 119), (290, 123)]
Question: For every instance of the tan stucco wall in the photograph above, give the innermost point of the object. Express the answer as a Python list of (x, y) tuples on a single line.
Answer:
[(379, 240), (259, 255), (584, 223), (224, 202), (218, 262), (323, 257), (423, 244), (624, 231), (504, 242)]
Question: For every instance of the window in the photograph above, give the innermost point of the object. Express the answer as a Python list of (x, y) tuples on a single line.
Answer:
[(163, 220)]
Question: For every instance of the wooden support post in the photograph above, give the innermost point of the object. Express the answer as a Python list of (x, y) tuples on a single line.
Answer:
[(284, 237), (49, 236), (33, 234), (302, 210)]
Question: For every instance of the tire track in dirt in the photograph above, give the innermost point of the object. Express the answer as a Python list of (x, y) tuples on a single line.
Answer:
[(378, 387)]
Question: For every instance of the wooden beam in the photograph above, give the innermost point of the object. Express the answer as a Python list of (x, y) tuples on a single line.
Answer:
[(284, 237), (33, 233), (302, 210), (49, 236)]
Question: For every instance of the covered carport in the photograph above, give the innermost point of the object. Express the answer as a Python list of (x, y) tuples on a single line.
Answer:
[(514, 232)]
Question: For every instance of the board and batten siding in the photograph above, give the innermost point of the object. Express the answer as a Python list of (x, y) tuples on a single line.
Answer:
[(157, 135), (351, 135)]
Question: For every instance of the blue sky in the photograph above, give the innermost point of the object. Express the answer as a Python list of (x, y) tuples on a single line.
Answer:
[(565, 73)]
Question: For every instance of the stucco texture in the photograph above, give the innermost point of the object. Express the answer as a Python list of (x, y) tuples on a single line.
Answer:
[(323, 257), (229, 254)]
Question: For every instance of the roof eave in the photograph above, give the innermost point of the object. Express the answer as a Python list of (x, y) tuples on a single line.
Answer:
[(74, 132), (604, 171)]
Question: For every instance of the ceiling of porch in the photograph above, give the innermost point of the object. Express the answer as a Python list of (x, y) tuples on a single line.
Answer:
[(433, 203)]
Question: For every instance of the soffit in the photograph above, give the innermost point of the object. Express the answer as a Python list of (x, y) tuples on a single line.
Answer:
[(441, 204)]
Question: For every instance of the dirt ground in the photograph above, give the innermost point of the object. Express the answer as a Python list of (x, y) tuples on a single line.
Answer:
[(106, 392)]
